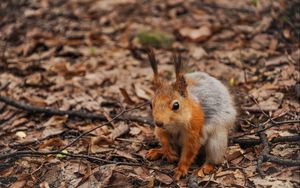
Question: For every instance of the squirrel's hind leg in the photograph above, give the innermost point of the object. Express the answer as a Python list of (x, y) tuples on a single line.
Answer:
[(216, 146), (215, 149)]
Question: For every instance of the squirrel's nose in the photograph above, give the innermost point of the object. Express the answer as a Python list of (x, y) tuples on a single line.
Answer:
[(159, 123)]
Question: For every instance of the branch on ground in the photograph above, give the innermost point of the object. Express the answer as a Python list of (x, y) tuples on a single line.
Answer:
[(248, 142), (266, 156), (72, 113)]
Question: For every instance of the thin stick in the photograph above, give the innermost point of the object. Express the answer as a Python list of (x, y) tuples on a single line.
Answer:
[(252, 142), (106, 123), (82, 156), (71, 113)]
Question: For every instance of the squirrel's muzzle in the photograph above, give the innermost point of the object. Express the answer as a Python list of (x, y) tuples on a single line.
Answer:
[(159, 123)]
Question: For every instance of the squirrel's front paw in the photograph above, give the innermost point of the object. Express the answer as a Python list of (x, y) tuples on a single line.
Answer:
[(180, 172), (171, 157), (154, 154)]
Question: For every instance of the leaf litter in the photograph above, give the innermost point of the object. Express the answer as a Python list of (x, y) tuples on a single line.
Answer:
[(86, 55)]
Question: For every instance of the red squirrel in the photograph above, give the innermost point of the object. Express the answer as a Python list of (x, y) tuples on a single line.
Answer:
[(195, 110)]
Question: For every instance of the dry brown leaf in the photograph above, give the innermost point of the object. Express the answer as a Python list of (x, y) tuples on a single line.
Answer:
[(34, 79), (140, 92), (44, 185), (134, 131), (196, 35), (99, 141), (36, 101), (18, 184), (127, 98), (107, 116), (126, 155), (270, 182), (200, 173), (275, 61), (198, 52), (234, 155), (287, 33), (54, 142), (145, 129), (120, 130), (104, 174), (163, 178), (19, 122), (54, 126)]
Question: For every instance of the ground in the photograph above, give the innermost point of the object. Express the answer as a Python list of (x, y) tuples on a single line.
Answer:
[(88, 56)]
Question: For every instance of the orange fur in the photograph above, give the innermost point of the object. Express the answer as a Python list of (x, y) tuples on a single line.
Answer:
[(192, 140), (166, 151)]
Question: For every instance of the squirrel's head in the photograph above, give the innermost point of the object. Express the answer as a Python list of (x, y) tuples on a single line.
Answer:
[(171, 105)]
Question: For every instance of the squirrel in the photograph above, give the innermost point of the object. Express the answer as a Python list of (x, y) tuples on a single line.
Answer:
[(196, 110)]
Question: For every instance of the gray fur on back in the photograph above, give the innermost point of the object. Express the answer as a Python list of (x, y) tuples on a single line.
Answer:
[(214, 98)]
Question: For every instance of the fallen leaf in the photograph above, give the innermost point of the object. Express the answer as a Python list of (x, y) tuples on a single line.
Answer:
[(140, 92), (54, 142), (104, 174), (21, 134), (127, 98), (34, 79), (196, 35), (120, 130), (287, 33), (163, 178), (35, 100), (19, 122), (18, 184), (99, 141), (198, 52), (134, 131), (126, 155)]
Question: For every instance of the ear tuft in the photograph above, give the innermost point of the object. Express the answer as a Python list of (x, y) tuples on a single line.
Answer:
[(153, 62), (180, 84), (178, 64)]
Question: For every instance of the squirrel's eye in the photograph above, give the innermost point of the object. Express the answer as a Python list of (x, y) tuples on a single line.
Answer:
[(150, 105), (175, 106)]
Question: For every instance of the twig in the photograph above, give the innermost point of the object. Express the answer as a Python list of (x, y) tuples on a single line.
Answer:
[(264, 152), (286, 139), (252, 142), (71, 113), (266, 128), (106, 123), (207, 183), (279, 123), (36, 141), (272, 120), (82, 156), (3, 59), (265, 156), (278, 160)]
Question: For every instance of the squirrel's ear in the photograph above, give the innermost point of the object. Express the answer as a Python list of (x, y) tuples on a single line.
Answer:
[(180, 84), (153, 63)]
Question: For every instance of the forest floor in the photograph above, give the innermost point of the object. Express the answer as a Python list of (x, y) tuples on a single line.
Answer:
[(57, 57)]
